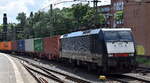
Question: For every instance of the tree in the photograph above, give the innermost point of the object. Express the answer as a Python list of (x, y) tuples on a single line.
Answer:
[(28, 30), (21, 18), (85, 16), (1, 27), (79, 11), (57, 22)]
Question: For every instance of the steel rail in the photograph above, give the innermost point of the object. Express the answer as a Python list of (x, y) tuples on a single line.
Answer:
[(45, 75), (147, 69), (51, 70), (37, 79), (43, 80), (118, 79), (67, 76), (121, 77)]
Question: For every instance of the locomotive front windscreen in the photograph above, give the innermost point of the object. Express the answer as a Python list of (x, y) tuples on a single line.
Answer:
[(118, 36), (119, 41)]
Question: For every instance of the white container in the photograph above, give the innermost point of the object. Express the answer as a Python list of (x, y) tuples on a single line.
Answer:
[(29, 45)]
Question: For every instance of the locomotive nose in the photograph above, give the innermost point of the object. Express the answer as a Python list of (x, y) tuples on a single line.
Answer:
[(120, 47), (120, 44)]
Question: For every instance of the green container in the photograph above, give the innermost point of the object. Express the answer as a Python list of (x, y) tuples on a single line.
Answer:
[(38, 45)]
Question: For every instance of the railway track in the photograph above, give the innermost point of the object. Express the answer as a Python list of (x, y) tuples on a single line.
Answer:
[(143, 70), (54, 75), (128, 78), (49, 73), (33, 73), (44, 75)]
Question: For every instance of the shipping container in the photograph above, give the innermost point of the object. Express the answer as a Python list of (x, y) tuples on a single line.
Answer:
[(0, 45), (38, 45), (9, 47), (52, 45), (20, 45), (6, 45), (29, 45), (14, 45)]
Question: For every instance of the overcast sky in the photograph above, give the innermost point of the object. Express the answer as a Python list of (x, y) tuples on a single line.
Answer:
[(13, 7)]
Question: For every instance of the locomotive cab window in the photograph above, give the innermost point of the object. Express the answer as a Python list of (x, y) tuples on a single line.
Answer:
[(118, 36)]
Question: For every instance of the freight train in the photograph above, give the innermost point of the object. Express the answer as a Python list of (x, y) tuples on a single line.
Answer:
[(104, 49)]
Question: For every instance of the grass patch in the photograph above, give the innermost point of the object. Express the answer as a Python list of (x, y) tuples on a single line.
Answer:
[(143, 60)]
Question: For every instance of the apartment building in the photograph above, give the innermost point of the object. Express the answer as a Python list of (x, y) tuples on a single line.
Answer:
[(136, 15)]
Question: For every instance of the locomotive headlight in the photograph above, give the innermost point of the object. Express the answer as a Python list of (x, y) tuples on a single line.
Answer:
[(131, 54), (110, 55)]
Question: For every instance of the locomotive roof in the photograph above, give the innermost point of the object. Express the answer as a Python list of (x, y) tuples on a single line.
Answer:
[(90, 32), (115, 29)]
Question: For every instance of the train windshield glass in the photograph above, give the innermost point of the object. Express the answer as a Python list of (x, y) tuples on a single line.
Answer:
[(118, 36)]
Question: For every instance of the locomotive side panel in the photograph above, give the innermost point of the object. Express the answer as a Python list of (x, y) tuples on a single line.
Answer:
[(81, 48), (98, 48)]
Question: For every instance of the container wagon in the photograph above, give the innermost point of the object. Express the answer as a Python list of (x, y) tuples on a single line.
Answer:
[(20, 47), (6, 46), (52, 47), (29, 47), (14, 46), (38, 47)]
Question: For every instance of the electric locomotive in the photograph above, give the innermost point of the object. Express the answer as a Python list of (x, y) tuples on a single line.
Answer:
[(104, 49)]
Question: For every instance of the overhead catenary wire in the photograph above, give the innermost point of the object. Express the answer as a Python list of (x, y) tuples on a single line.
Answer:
[(54, 4), (73, 2)]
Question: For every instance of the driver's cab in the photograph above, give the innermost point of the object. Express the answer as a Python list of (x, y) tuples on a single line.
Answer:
[(119, 42)]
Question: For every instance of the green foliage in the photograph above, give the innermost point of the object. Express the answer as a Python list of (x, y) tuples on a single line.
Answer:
[(21, 18), (1, 27), (119, 15), (56, 22), (79, 11), (143, 61)]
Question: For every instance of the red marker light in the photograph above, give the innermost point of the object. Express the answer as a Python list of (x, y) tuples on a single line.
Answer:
[(121, 55)]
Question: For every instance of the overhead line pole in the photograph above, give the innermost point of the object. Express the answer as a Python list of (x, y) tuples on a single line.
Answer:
[(95, 2), (94, 5), (51, 17)]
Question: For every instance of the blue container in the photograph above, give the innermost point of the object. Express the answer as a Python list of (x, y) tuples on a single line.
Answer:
[(21, 45)]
